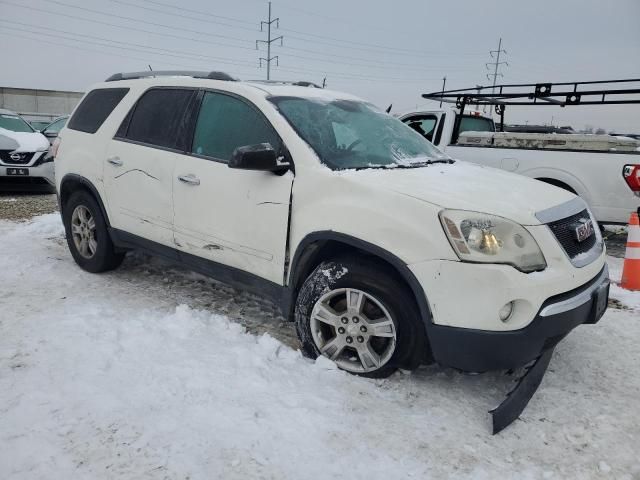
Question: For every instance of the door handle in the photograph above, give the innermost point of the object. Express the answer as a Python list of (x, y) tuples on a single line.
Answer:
[(115, 161), (189, 179)]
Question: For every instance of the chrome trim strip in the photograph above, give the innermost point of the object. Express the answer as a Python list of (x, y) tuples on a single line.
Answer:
[(564, 210), (579, 299)]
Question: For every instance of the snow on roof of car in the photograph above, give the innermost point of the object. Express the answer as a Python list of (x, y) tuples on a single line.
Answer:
[(288, 89)]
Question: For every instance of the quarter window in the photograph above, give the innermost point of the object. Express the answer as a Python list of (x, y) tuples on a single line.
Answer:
[(158, 118), (95, 108), (226, 123)]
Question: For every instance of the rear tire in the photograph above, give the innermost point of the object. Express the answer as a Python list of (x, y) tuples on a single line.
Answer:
[(87, 234), (362, 317)]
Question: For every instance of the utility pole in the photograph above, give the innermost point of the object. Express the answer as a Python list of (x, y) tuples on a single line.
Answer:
[(324, 82), (444, 82), (269, 41), (496, 65)]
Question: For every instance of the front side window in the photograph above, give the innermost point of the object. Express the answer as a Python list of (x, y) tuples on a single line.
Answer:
[(95, 108), (15, 123), (425, 125), (226, 123), (354, 134), (56, 126), (158, 117)]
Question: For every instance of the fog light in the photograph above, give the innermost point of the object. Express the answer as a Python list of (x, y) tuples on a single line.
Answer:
[(505, 312)]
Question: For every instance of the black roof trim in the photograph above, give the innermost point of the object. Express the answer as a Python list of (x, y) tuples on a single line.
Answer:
[(171, 73)]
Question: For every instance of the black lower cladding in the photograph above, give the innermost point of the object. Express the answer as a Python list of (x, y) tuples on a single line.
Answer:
[(482, 350), (224, 273)]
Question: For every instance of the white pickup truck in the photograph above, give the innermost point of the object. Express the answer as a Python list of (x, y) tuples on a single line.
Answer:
[(604, 170)]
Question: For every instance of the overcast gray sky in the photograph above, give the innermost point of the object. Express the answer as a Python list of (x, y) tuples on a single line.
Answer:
[(387, 52)]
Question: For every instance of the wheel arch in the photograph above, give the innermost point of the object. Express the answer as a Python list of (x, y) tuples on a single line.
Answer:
[(323, 245), (559, 178), (557, 183), (71, 183)]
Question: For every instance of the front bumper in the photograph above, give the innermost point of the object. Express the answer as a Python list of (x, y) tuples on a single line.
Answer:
[(482, 350), (41, 177)]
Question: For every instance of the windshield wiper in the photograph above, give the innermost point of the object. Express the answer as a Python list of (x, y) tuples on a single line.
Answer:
[(425, 163)]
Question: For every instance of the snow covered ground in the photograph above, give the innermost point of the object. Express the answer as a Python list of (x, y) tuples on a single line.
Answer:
[(154, 372)]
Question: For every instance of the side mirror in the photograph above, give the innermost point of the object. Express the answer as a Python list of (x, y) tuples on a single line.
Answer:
[(260, 156), (49, 134)]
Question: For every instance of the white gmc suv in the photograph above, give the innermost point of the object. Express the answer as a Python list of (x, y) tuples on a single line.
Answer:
[(384, 251)]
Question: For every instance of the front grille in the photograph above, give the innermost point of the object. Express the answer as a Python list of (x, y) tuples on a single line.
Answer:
[(20, 158), (564, 232)]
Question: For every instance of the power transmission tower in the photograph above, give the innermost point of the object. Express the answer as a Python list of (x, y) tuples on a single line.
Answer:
[(496, 65), (269, 41)]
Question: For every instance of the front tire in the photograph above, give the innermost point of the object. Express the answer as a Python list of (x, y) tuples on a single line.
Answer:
[(87, 234), (360, 316)]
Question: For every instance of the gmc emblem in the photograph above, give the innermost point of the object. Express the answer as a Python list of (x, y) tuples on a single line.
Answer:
[(583, 229)]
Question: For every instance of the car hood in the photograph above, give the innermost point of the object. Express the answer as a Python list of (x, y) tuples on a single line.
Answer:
[(22, 141), (466, 186)]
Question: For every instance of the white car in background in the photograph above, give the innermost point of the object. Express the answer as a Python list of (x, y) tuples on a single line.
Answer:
[(24, 164)]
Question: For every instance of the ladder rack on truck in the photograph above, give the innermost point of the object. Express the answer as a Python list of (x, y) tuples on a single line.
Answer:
[(563, 94)]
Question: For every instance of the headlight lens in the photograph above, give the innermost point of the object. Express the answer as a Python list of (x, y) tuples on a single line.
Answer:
[(480, 237)]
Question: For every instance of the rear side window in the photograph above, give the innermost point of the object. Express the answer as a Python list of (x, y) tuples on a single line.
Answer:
[(95, 108), (476, 124), (226, 123), (158, 118)]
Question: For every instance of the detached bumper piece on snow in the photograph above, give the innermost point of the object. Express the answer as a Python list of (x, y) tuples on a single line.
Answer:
[(517, 399), (480, 351)]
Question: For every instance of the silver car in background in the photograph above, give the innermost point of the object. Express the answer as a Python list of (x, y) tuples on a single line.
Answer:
[(24, 163)]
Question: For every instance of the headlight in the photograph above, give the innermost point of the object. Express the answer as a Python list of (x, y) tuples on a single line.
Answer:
[(484, 238)]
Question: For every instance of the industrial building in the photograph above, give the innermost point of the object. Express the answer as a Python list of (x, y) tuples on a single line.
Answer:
[(40, 105)]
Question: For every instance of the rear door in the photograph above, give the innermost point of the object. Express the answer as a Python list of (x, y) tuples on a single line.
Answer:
[(140, 163), (238, 218)]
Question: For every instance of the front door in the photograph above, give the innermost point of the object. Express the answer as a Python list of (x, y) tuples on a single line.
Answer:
[(140, 164), (238, 218)]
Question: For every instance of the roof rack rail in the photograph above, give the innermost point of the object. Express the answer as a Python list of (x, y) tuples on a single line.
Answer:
[(171, 73), (298, 83)]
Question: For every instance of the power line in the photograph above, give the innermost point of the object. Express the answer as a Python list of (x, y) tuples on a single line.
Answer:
[(129, 46), (341, 42), (123, 17), (188, 17), (90, 50), (269, 41), (361, 62), (199, 12), (186, 55)]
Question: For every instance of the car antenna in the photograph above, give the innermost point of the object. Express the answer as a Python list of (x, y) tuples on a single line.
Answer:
[(389, 108)]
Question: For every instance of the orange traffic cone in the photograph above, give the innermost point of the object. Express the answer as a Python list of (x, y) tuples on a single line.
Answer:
[(631, 270)]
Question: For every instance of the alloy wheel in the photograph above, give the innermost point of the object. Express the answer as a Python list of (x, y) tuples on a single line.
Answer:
[(354, 329), (83, 231)]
